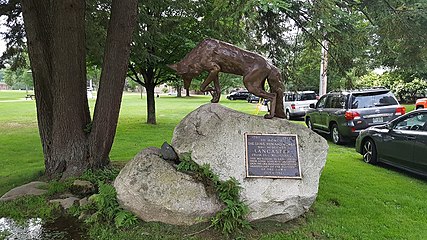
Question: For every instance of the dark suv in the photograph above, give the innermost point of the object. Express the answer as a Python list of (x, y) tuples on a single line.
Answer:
[(344, 114)]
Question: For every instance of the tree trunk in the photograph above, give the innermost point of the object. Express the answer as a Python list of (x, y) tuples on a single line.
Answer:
[(151, 103), (114, 70), (56, 46), (178, 91), (55, 34), (187, 92)]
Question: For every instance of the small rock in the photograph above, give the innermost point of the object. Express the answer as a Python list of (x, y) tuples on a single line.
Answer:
[(29, 189), (84, 215), (168, 153), (67, 202), (82, 188), (83, 202), (66, 195)]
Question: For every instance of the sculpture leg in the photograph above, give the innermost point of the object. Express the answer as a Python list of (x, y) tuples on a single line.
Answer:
[(213, 76), (217, 90), (274, 80), (253, 82)]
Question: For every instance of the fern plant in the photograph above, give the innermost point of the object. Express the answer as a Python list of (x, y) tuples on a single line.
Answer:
[(103, 206), (106, 175), (233, 216)]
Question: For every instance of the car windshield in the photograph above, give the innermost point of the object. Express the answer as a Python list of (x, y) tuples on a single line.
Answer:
[(369, 100), (307, 96)]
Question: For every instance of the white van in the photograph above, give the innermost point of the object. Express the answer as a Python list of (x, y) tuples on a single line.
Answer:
[(297, 103)]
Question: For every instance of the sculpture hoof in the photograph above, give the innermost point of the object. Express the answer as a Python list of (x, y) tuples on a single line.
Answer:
[(268, 116), (280, 116)]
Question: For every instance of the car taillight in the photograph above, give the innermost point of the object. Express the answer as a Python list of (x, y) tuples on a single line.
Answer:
[(293, 106), (349, 115), (400, 111)]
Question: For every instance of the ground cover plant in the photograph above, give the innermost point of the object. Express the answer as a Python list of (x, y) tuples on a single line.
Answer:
[(355, 201)]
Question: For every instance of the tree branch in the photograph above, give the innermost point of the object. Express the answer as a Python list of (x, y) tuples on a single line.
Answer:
[(135, 73)]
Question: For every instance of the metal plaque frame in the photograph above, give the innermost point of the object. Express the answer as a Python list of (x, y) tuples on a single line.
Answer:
[(279, 148)]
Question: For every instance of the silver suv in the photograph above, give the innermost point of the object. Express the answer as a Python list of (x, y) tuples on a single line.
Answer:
[(344, 114), (296, 104)]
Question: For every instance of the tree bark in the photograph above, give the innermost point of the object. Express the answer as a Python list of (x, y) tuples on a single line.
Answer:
[(149, 75), (114, 71), (56, 46), (55, 35), (178, 91), (151, 103), (187, 92)]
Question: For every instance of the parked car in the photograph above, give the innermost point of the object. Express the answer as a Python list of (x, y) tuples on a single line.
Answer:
[(401, 143), (296, 104), (344, 114), (421, 103), (242, 95), (252, 98)]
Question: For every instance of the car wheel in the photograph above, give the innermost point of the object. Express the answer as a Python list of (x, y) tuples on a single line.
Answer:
[(309, 124), (335, 134), (288, 115), (420, 107), (369, 152)]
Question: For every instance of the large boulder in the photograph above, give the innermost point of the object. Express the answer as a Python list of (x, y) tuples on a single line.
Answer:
[(151, 188), (214, 134)]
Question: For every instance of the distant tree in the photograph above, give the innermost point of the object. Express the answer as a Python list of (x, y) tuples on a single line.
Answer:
[(400, 33), (18, 79), (93, 74), (406, 89), (15, 55), (230, 81)]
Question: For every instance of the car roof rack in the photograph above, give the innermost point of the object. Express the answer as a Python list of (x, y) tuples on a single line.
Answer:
[(370, 89)]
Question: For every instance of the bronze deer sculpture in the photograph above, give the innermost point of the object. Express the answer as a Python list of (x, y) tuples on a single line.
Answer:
[(216, 56)]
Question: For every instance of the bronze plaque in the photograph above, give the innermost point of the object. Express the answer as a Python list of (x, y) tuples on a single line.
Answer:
[(272, 156)]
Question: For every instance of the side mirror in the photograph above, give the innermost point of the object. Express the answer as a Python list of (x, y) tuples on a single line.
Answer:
[(312, 105), (389, 126)]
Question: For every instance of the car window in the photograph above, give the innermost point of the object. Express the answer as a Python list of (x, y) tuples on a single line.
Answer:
[(369, 100), (322, 102), (416, 122), (328, 103), (290, 97), (337, 101)]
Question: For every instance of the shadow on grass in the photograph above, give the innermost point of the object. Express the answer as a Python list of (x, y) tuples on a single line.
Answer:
[(402, 171)]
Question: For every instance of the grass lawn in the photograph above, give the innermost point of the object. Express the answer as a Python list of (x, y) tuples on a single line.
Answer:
[(355, 201)]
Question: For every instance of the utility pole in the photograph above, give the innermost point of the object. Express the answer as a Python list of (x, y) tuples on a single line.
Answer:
[(324, 68)]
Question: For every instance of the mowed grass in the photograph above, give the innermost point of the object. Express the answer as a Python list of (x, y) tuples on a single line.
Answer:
[(355, 200)]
